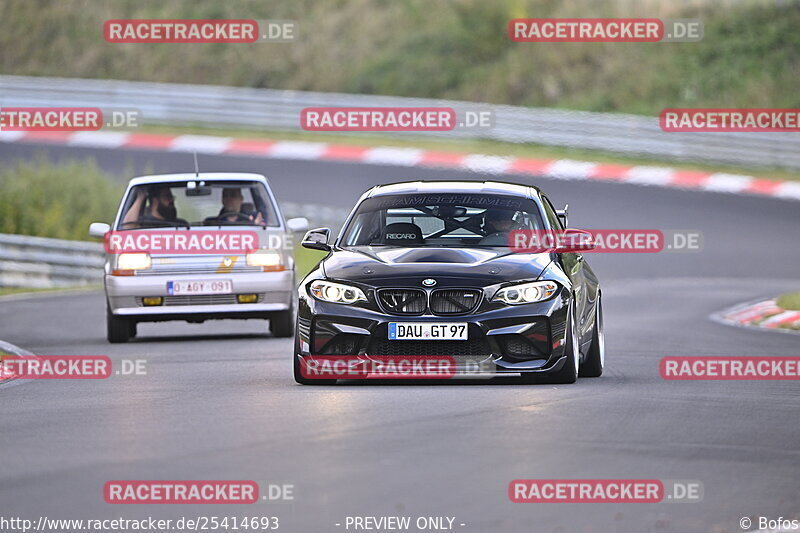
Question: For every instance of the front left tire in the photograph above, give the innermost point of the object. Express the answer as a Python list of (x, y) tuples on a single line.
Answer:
[(118, 329)]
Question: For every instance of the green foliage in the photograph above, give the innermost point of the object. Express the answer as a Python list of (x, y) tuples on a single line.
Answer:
[(60, 201), (750, 55)]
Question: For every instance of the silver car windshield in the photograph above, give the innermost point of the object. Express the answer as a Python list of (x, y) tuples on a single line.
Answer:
[(441, 220), (208, 203)]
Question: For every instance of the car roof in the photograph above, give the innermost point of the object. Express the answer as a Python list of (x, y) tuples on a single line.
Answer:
[(441, 187), (191, 176)]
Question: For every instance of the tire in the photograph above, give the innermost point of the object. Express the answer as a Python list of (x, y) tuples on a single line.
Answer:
[(119, 330), (282, 324), (569, 372), (595, 361), (298, 376)]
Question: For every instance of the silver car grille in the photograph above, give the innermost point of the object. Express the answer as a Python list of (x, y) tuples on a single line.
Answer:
[(178, 271), (200, 299)]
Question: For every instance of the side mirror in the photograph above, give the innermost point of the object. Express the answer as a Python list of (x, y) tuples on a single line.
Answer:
[(317, 239), (98, 229), (576, 240), (297, 224), (563, 216)]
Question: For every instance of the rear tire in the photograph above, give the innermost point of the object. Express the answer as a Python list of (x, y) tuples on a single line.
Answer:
[(596, 358), (119, 330)]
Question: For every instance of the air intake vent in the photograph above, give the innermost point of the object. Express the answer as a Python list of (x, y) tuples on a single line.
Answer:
[(454, 301), (415, 348), (403, 301)]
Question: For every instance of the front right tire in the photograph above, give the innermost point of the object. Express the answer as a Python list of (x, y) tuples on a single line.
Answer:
[(282, 324), (595, 361)]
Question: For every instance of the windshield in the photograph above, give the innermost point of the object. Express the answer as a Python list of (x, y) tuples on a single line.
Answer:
[(201, 203), (440, 220)]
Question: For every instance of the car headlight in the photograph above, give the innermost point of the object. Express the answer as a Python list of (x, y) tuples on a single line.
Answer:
[(134, 261), (268, 260), (526, 293), (337, 293)]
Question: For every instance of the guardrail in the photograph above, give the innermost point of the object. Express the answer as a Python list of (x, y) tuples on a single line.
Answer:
[(269, 109), (38, 262)]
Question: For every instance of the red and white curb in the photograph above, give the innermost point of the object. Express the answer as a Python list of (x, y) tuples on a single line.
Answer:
[(15, 351), (763, 314), (412, 157)]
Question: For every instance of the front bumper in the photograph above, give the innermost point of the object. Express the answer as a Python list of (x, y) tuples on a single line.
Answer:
[(275, 291), (525, 338)]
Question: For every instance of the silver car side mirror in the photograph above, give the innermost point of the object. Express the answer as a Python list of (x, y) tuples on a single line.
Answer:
[(98, 229)]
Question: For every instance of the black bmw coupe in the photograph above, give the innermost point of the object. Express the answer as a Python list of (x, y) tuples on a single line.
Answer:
[(426, 269)]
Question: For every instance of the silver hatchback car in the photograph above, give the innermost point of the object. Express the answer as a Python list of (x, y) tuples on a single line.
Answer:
[(159, 282)]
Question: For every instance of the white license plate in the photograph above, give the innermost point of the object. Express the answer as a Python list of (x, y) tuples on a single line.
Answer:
[(429, 331), (200, 286)]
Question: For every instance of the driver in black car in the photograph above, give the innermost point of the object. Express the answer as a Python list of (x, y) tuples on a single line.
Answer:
[(498, 223), (231, 211), (161, 209)]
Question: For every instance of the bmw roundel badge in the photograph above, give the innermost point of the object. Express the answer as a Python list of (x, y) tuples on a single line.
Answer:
[(430, 282)]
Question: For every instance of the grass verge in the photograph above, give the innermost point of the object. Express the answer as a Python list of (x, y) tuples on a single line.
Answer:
[(306, 260), (789, 301), (7, 291)]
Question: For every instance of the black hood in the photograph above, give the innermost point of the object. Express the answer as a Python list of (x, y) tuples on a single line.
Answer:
[(397, 266)]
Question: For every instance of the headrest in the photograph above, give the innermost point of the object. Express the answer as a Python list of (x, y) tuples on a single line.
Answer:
[(402, 233)]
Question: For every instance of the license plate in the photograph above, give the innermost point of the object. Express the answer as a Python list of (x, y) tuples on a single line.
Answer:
[(429, 331), (200, 286)]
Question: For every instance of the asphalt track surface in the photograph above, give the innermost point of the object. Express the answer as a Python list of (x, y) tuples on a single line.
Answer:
[(219, 402)]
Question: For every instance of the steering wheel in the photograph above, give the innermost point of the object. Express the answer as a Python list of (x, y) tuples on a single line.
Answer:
[(223, 217)]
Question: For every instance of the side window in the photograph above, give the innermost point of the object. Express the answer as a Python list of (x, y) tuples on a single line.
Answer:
[(550, 213)]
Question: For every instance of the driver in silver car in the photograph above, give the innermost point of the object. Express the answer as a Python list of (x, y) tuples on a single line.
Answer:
[(161, 209), (232, 201)]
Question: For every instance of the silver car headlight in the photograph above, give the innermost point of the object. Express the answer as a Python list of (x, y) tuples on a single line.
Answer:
[(134, 261), (337, 293), (526, 293)]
